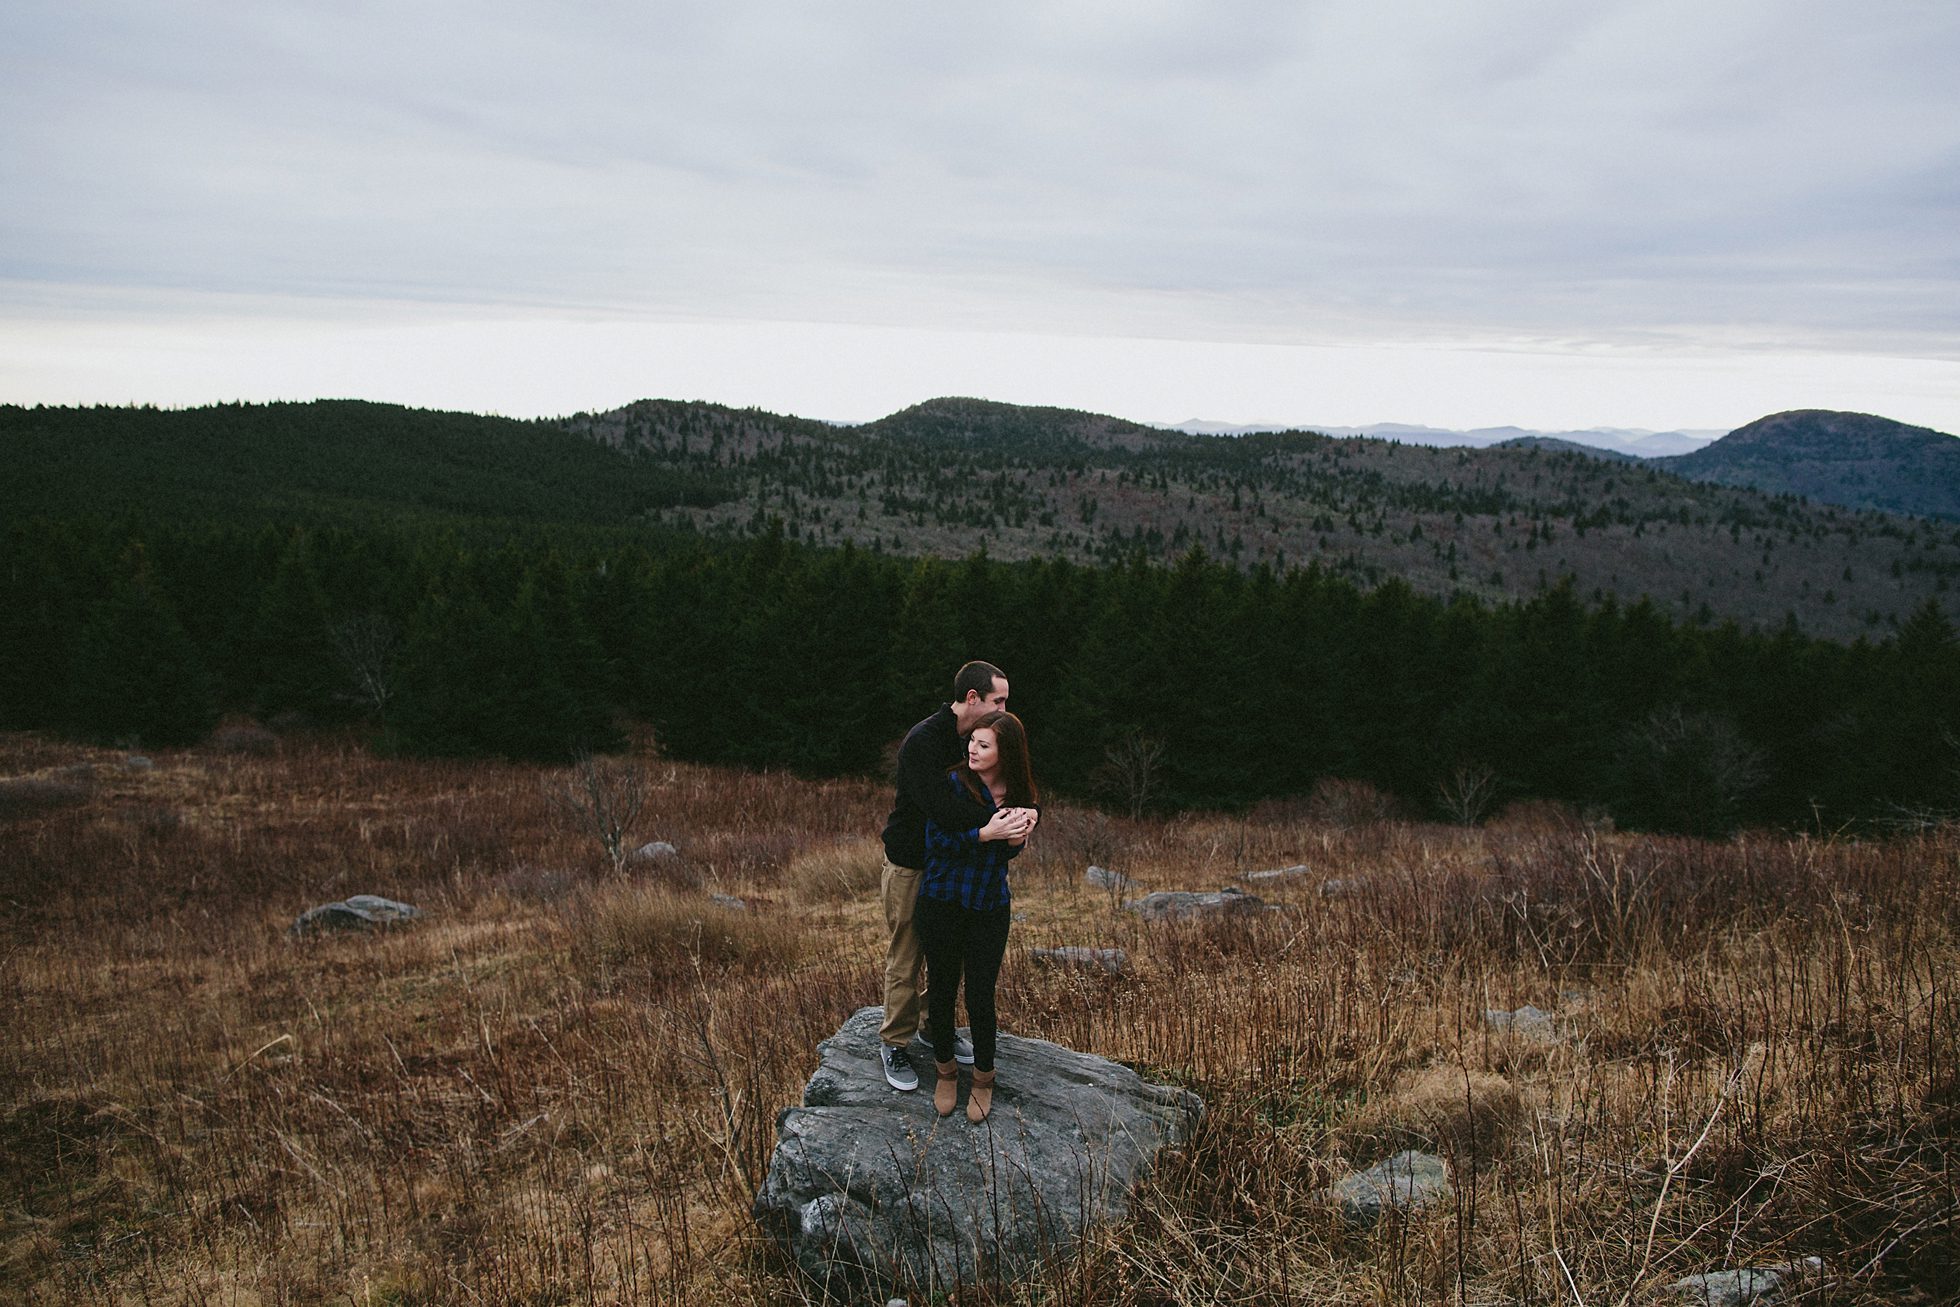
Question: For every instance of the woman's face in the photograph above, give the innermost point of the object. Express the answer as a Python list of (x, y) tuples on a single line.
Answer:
[(982, 750)]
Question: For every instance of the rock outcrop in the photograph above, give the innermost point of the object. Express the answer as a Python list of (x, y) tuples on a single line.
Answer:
[(1278, 874), (1183, 905), (1528, 1023), (1745, 1286), (360, 912), (1104, 878), (869, 1188), (1408, 1181), (1114, 961)]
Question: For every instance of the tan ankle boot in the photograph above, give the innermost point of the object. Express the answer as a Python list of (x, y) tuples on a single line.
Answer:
[(980, 1099), (946, 1093)]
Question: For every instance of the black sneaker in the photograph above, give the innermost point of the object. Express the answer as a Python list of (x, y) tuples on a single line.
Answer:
[(962, 1046), (898, 1068)]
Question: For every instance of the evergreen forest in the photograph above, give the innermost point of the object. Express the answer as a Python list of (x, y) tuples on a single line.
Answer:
[(468, 586)]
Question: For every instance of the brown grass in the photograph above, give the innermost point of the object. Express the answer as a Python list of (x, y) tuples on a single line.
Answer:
[(561, 1086)]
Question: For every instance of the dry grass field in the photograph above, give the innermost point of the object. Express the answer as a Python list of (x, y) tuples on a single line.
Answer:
[(561, 1085)]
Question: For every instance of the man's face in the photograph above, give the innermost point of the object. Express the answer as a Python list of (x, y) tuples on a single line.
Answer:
[(974, 707)]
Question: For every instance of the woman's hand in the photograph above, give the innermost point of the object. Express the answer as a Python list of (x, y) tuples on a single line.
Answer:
[(1008, 824), (1028, 818)]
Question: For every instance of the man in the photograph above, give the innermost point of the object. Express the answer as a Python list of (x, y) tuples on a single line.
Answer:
[(931, 749)]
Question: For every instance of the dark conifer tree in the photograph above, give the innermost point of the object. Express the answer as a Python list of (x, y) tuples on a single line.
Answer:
[(293, 666), (134, 674)]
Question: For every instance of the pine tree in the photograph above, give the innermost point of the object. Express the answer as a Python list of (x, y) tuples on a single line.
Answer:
[(293, 662), (135, 675)]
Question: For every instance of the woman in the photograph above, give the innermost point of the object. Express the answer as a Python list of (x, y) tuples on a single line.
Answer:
[(964, 907)]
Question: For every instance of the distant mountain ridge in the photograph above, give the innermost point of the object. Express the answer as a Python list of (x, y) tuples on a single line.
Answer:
[(1633, 441), (952, 477), (1858, 460)]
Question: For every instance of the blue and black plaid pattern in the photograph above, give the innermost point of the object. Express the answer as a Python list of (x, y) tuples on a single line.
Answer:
[(961, 868)]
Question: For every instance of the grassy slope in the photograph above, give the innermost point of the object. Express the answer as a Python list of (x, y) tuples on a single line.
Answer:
[(537, 1095)]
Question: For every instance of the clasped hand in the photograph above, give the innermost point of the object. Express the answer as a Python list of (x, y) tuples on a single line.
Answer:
[(1011, 824)]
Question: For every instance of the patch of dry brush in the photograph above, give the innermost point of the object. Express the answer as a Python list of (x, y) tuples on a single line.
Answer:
[(562, 1086)]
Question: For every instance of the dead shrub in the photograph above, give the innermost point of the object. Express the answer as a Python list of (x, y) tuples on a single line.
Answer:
[(1077, 839), (1547, 817), (603, 798), (29, 796), (836, 873), (748, 853), (1348, 804), (668, 935), (1463, 1113)]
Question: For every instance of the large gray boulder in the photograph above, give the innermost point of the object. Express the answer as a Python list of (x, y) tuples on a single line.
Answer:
[(1406, 1182), (1746, 1286), (1104, 878), (360, 912), (1113, 961), (870, 1188), (1186, 905)]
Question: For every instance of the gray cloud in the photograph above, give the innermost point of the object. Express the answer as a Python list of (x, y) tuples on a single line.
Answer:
[(1752, 172)]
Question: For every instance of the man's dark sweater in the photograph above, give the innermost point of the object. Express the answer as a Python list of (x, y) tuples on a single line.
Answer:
[(931, 749)]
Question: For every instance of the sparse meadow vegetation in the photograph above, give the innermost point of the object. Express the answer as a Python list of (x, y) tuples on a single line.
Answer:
[(561, 1085)]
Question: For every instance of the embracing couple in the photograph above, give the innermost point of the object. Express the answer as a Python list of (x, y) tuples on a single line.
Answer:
[(966, 804)]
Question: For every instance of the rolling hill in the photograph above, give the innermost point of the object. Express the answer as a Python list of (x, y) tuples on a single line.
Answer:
[(1854, 459), (950, 477)]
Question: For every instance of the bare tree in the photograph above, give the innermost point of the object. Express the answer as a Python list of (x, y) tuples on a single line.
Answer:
[(1130, 770), (602, 798), (1694, 769), (1467, 793), (367, 645)]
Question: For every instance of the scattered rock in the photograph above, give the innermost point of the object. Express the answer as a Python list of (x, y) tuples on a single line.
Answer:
[(871, 1186), (361, 912), (1183, 905), (658, 851), (137, 762), (1279, 873), (1112, 960), (1342, 887), (1750, 1284), (730, 902), (1408, 1181), (1527, 1022), (1102, 878)]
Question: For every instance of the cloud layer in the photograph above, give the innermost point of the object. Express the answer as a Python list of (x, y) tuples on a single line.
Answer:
[(1757, 175)]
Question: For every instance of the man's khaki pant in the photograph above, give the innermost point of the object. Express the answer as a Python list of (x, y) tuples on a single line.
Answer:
[(905, 961)]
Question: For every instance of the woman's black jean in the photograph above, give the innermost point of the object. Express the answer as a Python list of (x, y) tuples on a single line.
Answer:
[(961, 944)]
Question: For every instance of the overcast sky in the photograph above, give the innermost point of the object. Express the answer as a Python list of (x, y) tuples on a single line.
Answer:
[(1559, 214)]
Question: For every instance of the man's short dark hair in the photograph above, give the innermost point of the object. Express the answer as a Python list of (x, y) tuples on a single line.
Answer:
[(975, 676)]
